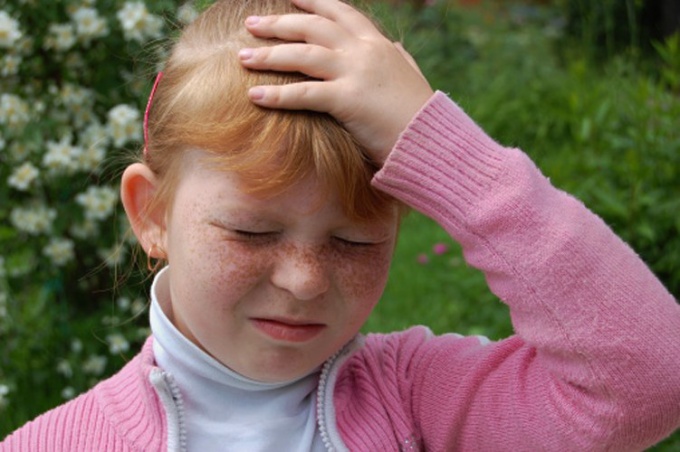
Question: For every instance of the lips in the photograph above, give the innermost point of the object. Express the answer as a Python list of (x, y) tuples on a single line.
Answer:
[(288, 330)]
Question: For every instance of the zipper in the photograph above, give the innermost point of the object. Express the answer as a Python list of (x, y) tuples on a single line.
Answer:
[(320, 406), (327, 427), (172, 401)]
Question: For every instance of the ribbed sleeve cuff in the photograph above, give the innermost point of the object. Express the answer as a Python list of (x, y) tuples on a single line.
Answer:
[(443, 163)]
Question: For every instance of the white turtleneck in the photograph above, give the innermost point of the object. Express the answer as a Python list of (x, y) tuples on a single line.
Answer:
[(224, 410)]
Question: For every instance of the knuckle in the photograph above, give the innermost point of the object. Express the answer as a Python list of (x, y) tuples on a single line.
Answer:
[(307, 52), (304, 91), (274, 97), (261, 55), (315, 22)]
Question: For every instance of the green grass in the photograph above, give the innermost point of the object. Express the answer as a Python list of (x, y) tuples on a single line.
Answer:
[(442, 293)]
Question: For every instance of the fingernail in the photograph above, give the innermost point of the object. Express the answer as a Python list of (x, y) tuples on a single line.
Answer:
[(252, 20), (245, 54), (256, 93)]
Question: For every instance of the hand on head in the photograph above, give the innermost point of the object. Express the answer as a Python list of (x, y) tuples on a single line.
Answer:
[(368, 83)]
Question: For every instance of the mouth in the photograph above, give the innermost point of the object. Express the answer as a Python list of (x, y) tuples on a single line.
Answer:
[(288, 330)]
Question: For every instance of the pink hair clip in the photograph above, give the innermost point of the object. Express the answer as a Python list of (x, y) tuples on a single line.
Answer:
[(146, 112)]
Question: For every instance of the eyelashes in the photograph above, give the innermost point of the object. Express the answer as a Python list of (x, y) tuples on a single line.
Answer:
[(271, 236), (353, 243), (257, 238), (266, 237)]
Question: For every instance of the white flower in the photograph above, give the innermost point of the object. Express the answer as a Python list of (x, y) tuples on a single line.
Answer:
[(76, 345), (94, 140), (138, 24), (85, 230), (24, 46), (123, 303), (34, 219), (61, 157), (138, 306), (39, 107), (4, 390), (94, 135), (64, 368), (10, 65), (19, 151), (61, 37), (110, 320), (59, 251), (68, 392), (186, 13), (22, 176), (73, 95), (117, 343), (98, 202), (95, 365), (3, 305), (122, 114), (9, 30), (112, 256), (89, 25), (124, 124), (90, 159), (13, 110)]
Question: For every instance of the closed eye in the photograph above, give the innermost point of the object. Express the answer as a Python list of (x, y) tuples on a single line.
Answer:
[(353, 243), (254, 235)]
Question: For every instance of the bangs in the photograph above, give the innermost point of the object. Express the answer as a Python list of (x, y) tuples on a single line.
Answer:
[(202, 103)]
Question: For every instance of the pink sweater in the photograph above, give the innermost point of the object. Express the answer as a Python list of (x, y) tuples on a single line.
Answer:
[(595, 363)]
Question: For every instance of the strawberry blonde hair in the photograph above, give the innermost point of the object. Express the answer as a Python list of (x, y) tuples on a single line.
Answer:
[(201, 103)]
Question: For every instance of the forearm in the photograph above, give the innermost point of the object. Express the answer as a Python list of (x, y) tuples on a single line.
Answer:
[(598, 318)]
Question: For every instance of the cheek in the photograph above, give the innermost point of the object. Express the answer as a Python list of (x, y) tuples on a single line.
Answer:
[(241, 266), (228, 270), (362, 274)]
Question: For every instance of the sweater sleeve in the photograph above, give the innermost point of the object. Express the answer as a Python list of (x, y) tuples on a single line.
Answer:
[(595, 364)]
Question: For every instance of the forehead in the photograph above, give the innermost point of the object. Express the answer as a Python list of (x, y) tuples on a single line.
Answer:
[(207, 183), (216, 190)]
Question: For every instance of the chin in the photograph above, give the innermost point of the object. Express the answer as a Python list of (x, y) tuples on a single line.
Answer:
[(278, 374)]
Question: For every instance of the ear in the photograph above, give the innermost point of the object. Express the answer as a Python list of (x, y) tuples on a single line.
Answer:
[(137, 191)]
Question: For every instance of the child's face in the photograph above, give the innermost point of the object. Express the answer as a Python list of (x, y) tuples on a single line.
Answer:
[(269, 287)]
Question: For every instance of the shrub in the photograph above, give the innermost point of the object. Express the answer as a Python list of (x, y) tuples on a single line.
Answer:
[(70, 108)]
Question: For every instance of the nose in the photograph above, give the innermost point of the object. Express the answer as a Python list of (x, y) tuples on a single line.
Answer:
[(302, 271)]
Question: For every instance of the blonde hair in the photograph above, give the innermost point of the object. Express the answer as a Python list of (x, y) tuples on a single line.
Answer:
[(201, 103)]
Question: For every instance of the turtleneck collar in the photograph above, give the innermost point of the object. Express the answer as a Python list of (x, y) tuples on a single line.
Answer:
[(223, 407)]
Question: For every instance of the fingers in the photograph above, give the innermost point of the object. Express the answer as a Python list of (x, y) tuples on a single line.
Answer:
[(296, 96), (307, 28), (315, 61), (330, 23), (342, 14)]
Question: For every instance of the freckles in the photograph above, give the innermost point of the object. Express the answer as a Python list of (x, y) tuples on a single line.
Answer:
[(357, 274), (242, 265)]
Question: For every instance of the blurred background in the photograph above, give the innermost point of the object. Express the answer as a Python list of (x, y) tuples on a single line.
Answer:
[(590, 90)]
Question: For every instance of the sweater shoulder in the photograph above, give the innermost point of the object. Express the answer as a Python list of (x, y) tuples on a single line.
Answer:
[(120, 413), (77, 425), (393, 365), (378, 390)]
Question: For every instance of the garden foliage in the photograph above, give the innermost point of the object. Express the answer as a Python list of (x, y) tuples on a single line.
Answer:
[(75, 76)]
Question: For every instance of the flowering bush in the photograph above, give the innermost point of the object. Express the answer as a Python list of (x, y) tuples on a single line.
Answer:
[(71, 98)]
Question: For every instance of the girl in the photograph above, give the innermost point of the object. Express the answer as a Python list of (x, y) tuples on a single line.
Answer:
[(284, 139)]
